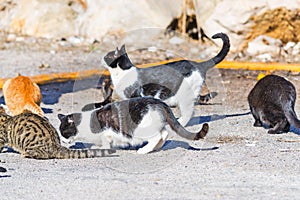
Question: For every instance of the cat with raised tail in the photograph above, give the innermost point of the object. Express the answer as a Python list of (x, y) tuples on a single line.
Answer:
[(272, 102), (176, 83), (34, 137), (20, 94), (127, 123)]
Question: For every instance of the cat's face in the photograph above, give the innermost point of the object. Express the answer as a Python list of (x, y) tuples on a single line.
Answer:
[(68, 124), (118, 58)]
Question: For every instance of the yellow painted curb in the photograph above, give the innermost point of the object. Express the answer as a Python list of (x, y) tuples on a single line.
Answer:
[(66, 76), (258, 66)]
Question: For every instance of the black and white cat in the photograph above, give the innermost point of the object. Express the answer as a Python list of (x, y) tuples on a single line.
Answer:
[(126, 123), (109, 97), (177, 83), (272, 102)]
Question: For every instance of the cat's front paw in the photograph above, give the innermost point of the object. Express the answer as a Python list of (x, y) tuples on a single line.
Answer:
[(65, 141), (271, 131), (143, 151)]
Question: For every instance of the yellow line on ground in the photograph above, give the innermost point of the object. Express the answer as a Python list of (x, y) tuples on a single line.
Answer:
[(242, 65)]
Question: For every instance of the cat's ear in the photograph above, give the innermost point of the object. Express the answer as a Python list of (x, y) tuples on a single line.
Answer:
[(123, 49), (116, 53), (61, 117), (76, 117)]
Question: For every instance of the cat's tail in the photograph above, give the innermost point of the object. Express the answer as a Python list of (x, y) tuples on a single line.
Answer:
[(93, 106), (34, 108), (180, 130), (65, 153), (292, 117), (204, 66)]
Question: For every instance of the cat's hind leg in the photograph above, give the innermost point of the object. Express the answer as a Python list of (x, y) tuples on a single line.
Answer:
[(2, 140), (152, 144), (282, 126), (186, 110), (257, 122), (186, 97), (164, 136), (35, 153)]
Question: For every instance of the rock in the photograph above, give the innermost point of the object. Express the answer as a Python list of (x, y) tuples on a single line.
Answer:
[(296, 49), (266, 57), (289, 45), (264, 44), (152, 49), (75, 40), (11, 37), (176, 40)]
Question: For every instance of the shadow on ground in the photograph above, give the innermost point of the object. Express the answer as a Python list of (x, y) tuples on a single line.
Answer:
[(169, 144), (53, 91), (210, 118)]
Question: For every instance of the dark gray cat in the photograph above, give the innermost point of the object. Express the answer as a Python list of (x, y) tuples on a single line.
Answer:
[(272, 102), (127, 123), (176, 83)]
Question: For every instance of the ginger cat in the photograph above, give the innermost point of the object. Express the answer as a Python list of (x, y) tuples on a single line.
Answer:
[(21, 93)]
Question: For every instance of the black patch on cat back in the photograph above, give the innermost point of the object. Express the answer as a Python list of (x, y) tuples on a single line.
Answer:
[(153, 89), (184, 67), (124, 116), (164, 79), (138, 109), (272, 102), (108, 117)]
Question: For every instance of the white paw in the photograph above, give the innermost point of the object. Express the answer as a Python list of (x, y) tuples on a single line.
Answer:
[(96, 147), (142, 151), (66, 142)]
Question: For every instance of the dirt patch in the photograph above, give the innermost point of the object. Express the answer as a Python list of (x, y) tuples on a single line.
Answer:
[(280, 23), (226, 139)]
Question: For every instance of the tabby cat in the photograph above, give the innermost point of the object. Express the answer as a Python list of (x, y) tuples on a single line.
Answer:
[(176, 83), (21, 93), (272, 102), (128, 123), (34, 137)]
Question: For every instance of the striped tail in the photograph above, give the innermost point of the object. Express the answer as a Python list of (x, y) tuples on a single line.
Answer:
[(65, 153), (34, 108)]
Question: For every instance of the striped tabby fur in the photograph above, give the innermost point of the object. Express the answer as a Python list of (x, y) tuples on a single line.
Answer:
[(34, 137)]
